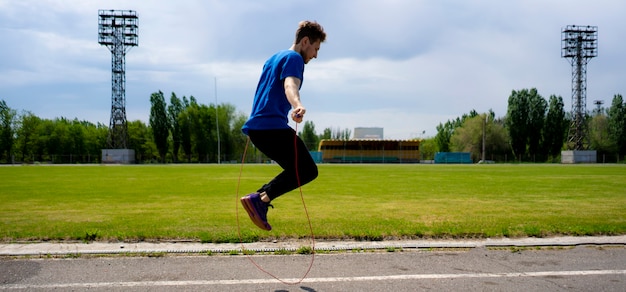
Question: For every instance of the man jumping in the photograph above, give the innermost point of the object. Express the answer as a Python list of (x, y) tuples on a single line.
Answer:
[(277, 93)]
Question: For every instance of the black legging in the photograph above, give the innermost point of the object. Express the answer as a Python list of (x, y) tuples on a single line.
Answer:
[(279, 145)]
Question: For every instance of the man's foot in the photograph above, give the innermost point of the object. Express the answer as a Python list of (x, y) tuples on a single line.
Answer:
[(257, 210)]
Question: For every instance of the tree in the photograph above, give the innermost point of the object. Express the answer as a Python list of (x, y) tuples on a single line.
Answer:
[(617, 123), (469, 137), (598, 136), (336, 133), (239, 140), (41, 143), (445, 131), (310, 138), (444, 134), (59, 140), (226, 113), (27, 136), (96, 139), (7, 117), (62, 140), (77, 140), (159, 123), (344, 134), (517, 121), (140, 139), (326, 134), (428, 148), (555, 127), (497, 142), (185, 133), (535, 125), (201, 128), (173, 113)]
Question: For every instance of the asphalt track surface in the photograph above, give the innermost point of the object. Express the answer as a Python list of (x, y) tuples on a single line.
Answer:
[(549, 264)]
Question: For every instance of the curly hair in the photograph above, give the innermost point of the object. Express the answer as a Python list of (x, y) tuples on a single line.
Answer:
[(310, 29)]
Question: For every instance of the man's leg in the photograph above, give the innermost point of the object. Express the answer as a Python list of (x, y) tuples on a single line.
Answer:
[(281, 146)]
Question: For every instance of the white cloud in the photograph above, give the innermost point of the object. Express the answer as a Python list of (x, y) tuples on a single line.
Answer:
[(403, 65)]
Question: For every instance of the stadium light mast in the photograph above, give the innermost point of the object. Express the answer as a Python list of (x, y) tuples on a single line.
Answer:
[(118, 31), (579, 44), (598, 104)]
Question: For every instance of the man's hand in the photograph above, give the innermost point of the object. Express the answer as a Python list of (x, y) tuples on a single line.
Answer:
[(297, 115)]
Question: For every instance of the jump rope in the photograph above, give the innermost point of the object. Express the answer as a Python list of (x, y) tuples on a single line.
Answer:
[(295, 145)]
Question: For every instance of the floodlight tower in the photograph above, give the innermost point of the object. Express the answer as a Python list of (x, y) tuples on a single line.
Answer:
[(598, 104), (117, 29), (579, 44)]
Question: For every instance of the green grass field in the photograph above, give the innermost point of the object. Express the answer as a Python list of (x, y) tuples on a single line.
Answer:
[(363, 202)]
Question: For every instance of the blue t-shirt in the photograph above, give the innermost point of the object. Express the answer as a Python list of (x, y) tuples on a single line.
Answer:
[(271, 107)]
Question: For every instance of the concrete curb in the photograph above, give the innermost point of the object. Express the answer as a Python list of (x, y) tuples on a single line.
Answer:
[(34, 249)]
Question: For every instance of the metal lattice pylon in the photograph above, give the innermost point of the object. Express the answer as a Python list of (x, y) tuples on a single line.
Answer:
[(117, 29), (579, 44)]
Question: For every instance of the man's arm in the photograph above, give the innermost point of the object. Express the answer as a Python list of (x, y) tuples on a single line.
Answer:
[(292, 91)]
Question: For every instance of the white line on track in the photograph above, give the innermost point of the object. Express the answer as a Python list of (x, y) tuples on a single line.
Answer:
[(310, 280)]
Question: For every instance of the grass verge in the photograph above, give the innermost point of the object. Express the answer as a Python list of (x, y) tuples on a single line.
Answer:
[(363, 202)]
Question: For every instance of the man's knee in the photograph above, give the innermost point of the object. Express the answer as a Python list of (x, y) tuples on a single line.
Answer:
[(309, 173), (314, 172)]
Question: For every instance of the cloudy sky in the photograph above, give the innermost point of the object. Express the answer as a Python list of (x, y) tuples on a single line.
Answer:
[(404, 65)]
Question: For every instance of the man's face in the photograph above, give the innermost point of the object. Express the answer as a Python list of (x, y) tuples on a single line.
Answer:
[(309, 50)]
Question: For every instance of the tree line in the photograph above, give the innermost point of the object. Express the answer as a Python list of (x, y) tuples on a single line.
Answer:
[(186, 131), (181, 131), (533, 130)]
